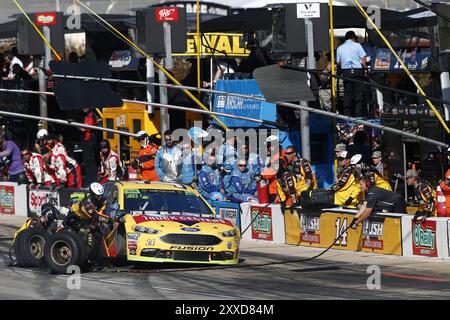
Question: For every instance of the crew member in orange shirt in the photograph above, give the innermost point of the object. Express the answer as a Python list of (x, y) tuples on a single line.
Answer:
[(445, 187), (273, 167), (145, 161)]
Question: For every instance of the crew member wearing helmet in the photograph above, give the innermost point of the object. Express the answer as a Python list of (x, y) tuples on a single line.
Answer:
[(377, 200), (347, 190), (41, 140), (145, 161), (84, 215), (66, 169), (445, 187), (110, 166), (424, 194), (47, 140)]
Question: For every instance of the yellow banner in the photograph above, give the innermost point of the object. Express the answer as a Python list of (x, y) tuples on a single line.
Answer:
[(215, 44), (376, 235)]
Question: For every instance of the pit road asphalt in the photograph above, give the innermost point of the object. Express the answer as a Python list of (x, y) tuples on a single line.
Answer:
[(335, 275)]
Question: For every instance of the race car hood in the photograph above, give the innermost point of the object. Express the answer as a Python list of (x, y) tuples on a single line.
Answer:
[(182, 223)]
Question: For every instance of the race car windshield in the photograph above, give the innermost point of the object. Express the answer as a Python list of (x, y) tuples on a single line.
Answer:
[(171, 201)]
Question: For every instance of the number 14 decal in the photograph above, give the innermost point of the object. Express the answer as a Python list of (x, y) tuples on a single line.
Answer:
[(342, 241)]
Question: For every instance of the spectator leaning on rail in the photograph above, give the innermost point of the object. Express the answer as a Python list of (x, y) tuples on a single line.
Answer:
[(347, 190), (377, 200), (66, 169), (169, 160), (210, 181), (145, 161), (35, 170), (424, 194), (110, 166), (297, 177), (242, 184), (10, 157), (352, 58)]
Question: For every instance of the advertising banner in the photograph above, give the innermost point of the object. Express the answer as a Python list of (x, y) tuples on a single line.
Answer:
[(415, 59), (7, 200), (264, 223), (425, 239), (303, 227), (382, 235), (262, 228), (240, 106), (37, 198), (215, 44), (378, 234), (229, 211)]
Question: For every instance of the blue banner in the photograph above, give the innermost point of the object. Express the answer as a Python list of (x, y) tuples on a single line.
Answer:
[(416, 59), (242, 107)]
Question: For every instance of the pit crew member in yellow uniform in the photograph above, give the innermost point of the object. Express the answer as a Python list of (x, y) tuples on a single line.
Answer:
[(84, 215), (347, 191), (298, 176)]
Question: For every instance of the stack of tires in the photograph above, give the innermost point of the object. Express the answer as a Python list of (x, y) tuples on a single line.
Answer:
[(35, 247)]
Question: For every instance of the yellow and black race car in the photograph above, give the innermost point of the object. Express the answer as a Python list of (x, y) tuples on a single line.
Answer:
[(165, 222)]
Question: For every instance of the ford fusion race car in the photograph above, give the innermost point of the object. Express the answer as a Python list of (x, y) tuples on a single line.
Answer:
[(165, 222)]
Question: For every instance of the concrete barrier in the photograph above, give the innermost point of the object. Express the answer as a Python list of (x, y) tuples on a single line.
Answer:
[(267, 223), (13, 199), (428, 239)]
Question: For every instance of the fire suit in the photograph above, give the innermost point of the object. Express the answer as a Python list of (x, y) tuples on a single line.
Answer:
[(67, 170), (58, 148), (446, 190), (347, 191), (36, 171), (168, 163), (426, 196), (146, 159), (210, 183), (378, 180), (110, 167), (242, 186), (303, 178)]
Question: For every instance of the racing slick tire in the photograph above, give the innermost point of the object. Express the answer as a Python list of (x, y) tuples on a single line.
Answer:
[(64, 249), (19, 262), (29, 247)]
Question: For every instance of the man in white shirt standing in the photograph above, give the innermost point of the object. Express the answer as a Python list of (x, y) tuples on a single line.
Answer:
[(11, 59), (352, 59)]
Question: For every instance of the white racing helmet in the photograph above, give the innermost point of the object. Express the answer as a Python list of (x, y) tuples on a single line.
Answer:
[(143, 139), (96, 189), (356, 159), (42, 134)]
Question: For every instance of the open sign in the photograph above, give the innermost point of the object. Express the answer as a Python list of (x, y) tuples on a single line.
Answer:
[(167, 14), (46, 19)]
